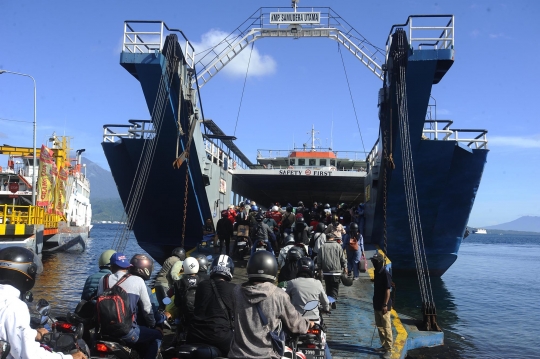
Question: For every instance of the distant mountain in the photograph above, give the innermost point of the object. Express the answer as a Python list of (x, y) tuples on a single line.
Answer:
[(526, 223), (101, 181), (106, 203)]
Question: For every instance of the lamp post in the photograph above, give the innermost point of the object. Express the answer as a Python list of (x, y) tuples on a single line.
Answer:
[(34, 155)]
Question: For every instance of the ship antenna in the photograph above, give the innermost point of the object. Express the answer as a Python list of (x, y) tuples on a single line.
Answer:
[(294, 4), (332, 131)]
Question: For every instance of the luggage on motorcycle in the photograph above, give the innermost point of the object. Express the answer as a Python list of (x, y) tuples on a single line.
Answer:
[(114, 314), (242, 231), (184, 292)]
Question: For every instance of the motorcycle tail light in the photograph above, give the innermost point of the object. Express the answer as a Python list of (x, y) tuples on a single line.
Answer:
[(314, 331), (100, 347), (312, 346)]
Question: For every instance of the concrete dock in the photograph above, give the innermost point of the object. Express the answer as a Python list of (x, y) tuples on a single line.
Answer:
[(351, 327)]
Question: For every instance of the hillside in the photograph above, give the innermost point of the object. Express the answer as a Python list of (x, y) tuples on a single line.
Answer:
[(525, 224), (106, 203)]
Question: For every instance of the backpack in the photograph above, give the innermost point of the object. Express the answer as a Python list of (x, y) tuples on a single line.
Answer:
[(184, 293), (353, 244), (113, 310), (259, 232)]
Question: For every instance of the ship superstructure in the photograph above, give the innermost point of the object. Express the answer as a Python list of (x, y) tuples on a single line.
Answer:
[(62, 214)]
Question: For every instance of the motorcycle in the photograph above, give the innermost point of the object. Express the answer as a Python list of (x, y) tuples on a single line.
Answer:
[(62, 337), (261, 246), (5, 348), (311, 345), (242, 248)]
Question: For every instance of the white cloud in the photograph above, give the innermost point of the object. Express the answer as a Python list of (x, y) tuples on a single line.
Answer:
[(516, 141), (259, 65)]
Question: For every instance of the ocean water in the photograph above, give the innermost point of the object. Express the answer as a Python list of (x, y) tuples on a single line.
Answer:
[(488, 303)]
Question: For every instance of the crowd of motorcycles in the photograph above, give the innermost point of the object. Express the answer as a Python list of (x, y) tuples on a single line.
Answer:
[(76, 331), (71, 333)]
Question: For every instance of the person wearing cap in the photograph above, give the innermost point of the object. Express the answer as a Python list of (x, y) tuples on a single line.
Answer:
[(92, 282), (138, 298), (382, 303)]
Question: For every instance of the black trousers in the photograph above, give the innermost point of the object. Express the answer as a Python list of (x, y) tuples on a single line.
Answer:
[(227, 245), (332, 285)]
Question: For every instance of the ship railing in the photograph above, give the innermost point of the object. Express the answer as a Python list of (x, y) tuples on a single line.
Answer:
[(271, 154), (262, 24), (373, 156), (315, 168), (434, 31), (137, 129), (148, 37), (434, 132), (218, 156), (15, 214)]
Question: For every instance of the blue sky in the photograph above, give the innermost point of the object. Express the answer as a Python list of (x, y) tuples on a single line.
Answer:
[(72, 48)]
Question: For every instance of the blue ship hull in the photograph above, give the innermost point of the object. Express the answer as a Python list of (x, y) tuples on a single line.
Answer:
[(447, 174)]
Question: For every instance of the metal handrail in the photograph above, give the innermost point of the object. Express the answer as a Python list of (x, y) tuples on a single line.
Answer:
[(446, 38), (16, 214), (286, 153), (447, 134), (143, 41), (137, 129)]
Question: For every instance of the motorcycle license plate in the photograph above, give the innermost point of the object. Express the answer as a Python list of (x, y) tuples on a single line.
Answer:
[(241, 243), (260, 249), (313, 353)]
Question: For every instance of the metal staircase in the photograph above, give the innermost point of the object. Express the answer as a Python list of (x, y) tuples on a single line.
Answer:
[(259, 26)]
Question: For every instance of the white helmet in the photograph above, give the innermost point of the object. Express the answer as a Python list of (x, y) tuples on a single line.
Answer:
[(191, 265), (274, 209), (253, 203)]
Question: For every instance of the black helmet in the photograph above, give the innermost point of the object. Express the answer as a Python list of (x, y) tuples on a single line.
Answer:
[(179, 252), (289, 209), (141, 266), (294, 254), (306, 268), (300, 204), (203, 262), (320, 228), (289, 239), (17, 268), (353, 228), (224, 213), (262, 267), (222, 266), (300, 220), (259, 217)]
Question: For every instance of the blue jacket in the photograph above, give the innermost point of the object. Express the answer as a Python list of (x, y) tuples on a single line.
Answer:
[(92, 283)]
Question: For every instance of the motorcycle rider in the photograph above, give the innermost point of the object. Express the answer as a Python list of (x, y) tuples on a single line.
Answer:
[(203, 267), (287, 221), (353, 243), (289, 243), (92, 282), (319, 238), (17, 276), (138, 295), (257, 298), (271, 223), (213, 316), (164, 281), (305, 288), (143, 266), (261, 232)]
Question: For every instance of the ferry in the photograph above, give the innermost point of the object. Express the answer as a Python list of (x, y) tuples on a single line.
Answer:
[(480, 231), (60, 218), (420, 171)]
